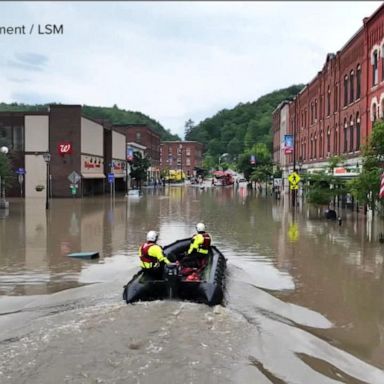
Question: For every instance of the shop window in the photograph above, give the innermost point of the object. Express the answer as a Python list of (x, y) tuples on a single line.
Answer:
[(6, 136)]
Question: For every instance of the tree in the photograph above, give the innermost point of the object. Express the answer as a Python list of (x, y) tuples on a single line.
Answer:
[(366, 186), (6, 174), (188, 127), (139, 168), (322, 188), (263, 166)]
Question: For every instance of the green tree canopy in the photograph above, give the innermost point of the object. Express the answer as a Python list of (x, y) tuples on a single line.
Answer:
[(139, 168), (366, 186), (113, 114), (240, 128)]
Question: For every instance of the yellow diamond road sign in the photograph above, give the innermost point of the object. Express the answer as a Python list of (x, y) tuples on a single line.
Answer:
[(294, 178)]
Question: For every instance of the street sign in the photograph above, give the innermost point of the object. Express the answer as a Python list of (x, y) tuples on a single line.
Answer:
[(20, 171), (294, 178), (293, 186), (74, 177), (111, 178)]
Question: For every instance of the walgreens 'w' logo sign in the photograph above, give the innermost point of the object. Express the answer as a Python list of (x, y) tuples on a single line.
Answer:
[(64, 148)]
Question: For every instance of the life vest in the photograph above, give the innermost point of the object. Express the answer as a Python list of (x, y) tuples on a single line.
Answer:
[(207, 241), (204, 247), (144, 256)]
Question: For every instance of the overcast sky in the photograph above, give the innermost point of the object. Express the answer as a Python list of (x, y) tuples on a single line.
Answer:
[(169, 60)]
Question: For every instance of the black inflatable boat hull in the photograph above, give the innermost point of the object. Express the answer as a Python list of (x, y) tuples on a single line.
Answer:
[(209, 290)]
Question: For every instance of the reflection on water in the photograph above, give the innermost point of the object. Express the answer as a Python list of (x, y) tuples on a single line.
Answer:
[(298, 278)]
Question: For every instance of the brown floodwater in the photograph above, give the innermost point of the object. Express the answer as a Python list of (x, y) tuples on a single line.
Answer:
[(303, 303)]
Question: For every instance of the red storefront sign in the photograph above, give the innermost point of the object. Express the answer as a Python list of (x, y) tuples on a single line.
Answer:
[(64, 148)]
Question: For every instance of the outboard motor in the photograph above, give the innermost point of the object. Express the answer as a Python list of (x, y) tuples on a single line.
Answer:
[(172, 277)]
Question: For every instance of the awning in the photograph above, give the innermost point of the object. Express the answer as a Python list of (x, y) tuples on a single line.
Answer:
[(119, 176), (93, 175)]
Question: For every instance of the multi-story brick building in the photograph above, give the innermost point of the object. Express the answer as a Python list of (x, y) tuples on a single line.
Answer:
[(143, 135), (335, 112), (184, 155)]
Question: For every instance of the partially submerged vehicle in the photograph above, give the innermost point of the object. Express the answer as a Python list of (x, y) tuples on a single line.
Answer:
[(205, 285)]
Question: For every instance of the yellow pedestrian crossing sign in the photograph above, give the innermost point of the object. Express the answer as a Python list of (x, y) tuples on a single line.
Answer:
[(293, 186), (294, 179)]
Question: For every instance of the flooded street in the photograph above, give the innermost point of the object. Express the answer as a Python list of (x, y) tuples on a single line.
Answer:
[(303, 303)]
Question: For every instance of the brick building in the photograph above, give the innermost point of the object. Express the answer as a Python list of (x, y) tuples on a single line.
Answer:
[(184, 155), (75, 144), (334, 113), (143, 135)]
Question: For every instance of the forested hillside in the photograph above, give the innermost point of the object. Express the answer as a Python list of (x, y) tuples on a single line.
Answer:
[(114, 114), (235, 130)]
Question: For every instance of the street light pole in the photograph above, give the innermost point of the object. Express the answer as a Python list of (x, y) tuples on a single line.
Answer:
[(47, 159), (4, 204)]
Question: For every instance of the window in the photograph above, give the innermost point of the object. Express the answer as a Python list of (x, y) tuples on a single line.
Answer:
[(374, 67), (138, 137), (6, 136), (351, 87), (311, 147), (345, 149), (315, 147), (188, 162), (336, 98), (321, 152), (382, 109), (374, 112), (188, 151), (345, 90), (358, 81), (305, 149), (316, 109), (357, 131), (335, 141), (328, 101), (12, 137), (382, 63), (351, 132), (312, 114), (328, 141)]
